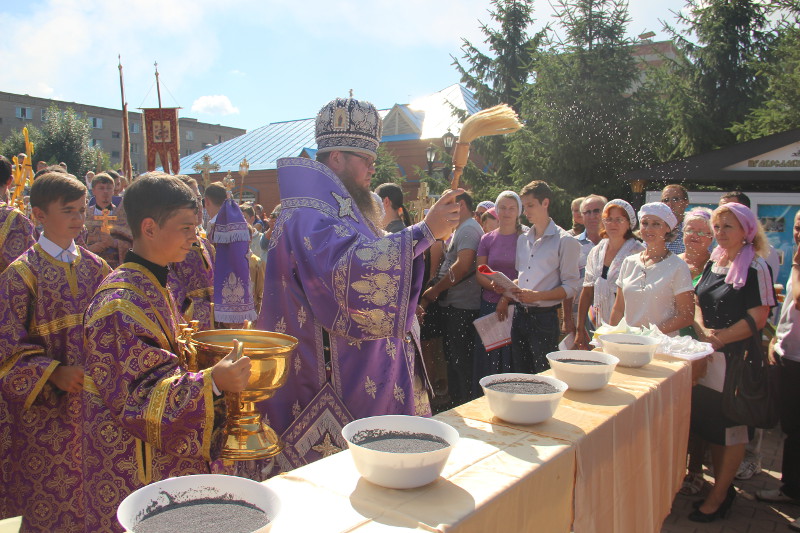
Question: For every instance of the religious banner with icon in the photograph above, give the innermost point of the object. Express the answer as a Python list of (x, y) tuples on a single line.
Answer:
[(162, 138)]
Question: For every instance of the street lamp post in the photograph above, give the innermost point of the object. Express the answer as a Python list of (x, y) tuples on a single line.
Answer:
[(448, 139), (430, 155)]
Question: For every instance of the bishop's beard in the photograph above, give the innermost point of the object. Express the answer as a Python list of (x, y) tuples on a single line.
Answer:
[(365, 203)]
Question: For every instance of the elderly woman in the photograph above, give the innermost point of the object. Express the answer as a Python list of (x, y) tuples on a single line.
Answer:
[(697, 238), (603, 266), (497, 250), (734, 291), (655, 286)]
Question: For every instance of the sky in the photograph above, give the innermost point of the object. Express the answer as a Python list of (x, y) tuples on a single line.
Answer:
[(247, 63)]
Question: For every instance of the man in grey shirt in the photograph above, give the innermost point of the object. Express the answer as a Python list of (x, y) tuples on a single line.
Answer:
[(461, 303), (547, 265)]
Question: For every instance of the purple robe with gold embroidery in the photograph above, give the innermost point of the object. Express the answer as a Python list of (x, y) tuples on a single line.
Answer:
[(16, 234), (192, 283), (330, 270), (42, 301), (146, 418)]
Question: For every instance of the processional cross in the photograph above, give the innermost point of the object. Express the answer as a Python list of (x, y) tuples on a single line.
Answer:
[(205, 168), (106, 218)]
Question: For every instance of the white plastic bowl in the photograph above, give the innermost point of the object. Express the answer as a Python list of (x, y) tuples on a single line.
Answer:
[(522, 408), (583, 377), (632, 350), (400, 470), (187, 488)]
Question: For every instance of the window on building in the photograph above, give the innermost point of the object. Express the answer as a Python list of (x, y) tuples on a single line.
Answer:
[(189, 151), (115, 135), (134, 127), (96, 143), (189, 135), (115, 154), (134, 148), (97, 123), (25, 113), (44, 115)]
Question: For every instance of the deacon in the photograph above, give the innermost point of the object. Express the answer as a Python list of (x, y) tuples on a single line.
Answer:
[(145, 417), (43, 295), (16, 231), (345, 289)]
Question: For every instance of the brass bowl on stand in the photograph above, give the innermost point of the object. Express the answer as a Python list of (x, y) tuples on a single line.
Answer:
[(248, 437)]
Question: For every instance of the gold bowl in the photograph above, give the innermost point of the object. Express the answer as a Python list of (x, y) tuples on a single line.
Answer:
[(248, 437)]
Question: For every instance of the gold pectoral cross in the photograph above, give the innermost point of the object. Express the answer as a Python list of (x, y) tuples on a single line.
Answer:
[(106, 218)]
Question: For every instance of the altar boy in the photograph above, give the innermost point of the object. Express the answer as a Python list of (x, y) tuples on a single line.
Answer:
[(146, 417), (43, 295)]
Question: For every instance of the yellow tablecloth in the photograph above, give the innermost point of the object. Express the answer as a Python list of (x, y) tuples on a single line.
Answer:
[(608, 461), (630, 440), (496, 478)]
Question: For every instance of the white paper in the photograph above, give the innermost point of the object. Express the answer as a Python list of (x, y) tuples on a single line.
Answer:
[(715, 372), (494, 332), (504, 283)]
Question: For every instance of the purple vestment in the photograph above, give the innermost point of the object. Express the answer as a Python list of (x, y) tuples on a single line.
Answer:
[(233, 299), (42, 301), (192, 283), (16, 234), (146, 418), (329, 270)]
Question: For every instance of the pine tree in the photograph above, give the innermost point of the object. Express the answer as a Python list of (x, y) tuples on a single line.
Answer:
[(781, 74), (718, 85), (498, 77), (580, 133)]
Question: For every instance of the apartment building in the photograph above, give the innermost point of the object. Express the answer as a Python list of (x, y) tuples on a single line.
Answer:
[(19, 110)]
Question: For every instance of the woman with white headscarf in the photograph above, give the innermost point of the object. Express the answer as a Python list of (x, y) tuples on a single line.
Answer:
[(734, 293), (603, 267), (655, 285)]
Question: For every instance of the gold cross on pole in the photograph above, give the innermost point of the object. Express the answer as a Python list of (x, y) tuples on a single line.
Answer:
[(106, 218), (205, 168)]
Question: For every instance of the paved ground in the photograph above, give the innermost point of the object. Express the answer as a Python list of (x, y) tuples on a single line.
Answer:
[(748, 515)]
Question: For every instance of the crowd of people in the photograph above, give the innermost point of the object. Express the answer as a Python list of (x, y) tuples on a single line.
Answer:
[(96, 282)]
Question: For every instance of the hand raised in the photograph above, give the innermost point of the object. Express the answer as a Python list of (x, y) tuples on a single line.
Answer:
[(442, 217)]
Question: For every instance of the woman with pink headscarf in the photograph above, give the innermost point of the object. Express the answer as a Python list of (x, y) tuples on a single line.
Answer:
[(735, 284)]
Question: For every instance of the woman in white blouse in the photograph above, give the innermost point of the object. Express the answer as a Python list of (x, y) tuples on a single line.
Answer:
[(655, 285), (603, 267)]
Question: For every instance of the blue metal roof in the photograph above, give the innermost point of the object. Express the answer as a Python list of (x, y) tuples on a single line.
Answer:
[(265, 145)]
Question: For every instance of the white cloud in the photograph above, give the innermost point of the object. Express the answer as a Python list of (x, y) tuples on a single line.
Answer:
[(215, 104), (63, 46)]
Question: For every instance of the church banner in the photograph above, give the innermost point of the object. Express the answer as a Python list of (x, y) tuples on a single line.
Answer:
[(162, 138)]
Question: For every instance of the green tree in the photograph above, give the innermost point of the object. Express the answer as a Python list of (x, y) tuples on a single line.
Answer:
[(65, 137), (499, 76), (385, 168), (580, 130), (781, 73), (718, 85)]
